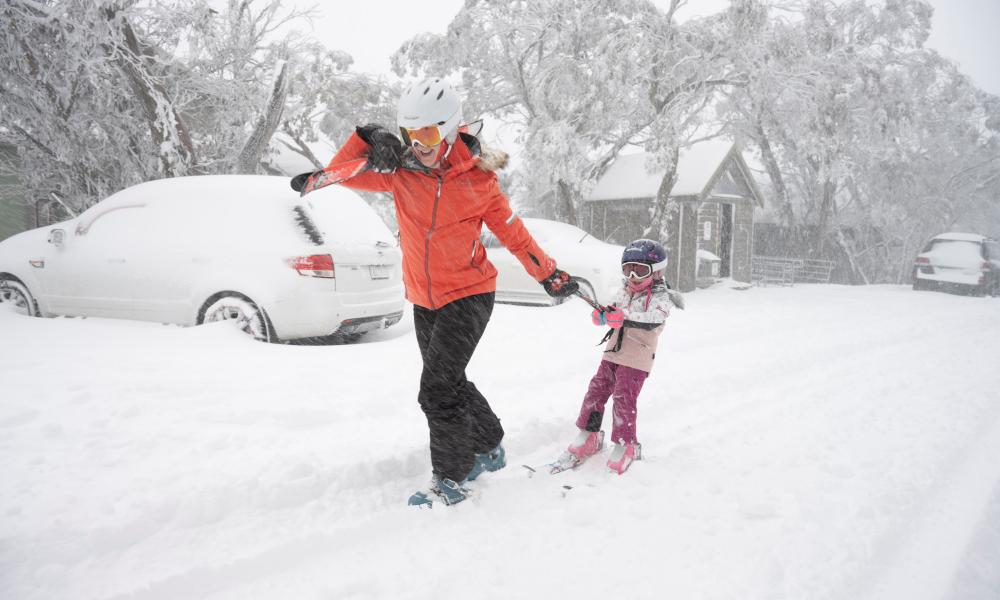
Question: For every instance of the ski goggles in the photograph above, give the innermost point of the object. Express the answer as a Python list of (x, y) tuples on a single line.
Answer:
[(636, 270), (425, 136)]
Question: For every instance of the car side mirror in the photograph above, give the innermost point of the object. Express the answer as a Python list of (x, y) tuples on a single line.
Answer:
[(57, 237)]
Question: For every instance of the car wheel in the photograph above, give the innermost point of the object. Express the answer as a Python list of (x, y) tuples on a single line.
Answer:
[(920, 285), (15, 296), (231, 306)]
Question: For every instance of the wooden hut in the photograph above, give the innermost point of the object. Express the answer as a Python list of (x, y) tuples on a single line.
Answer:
[(715, 193)]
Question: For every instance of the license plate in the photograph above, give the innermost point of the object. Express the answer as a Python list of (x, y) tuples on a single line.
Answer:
[(380, 271)]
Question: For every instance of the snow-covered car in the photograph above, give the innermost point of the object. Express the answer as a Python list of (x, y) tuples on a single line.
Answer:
[(193, 250), (595, 264), (959, 262)]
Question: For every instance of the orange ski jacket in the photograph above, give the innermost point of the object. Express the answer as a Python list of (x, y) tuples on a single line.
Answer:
[(440, 214)]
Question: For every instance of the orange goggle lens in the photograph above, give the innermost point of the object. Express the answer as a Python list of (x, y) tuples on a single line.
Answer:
[(425, 136)]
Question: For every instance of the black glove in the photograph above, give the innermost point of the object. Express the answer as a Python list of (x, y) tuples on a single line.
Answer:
[(299, 181), (385, 152), (560, 285)]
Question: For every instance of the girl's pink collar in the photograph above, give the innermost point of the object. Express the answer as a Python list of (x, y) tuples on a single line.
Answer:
[(640, 285)]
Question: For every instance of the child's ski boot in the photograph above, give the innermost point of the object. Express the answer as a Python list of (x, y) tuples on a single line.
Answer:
[(623, 455), (440, 489), (494, 460), (586, 444)]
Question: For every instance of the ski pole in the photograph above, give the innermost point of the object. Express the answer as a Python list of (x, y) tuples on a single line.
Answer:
[(588, 300)]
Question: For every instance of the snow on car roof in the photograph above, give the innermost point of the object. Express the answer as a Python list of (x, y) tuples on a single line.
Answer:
[(962, 237), (340, 212), (543, 226), (249, 187)]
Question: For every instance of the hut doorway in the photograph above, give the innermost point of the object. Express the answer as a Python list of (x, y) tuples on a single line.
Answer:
[(726, 241)]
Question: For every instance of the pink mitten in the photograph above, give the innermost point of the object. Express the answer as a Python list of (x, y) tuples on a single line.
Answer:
[(597, 317), (614, 317)]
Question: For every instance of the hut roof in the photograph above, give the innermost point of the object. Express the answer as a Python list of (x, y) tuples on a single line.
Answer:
[(630, 177)]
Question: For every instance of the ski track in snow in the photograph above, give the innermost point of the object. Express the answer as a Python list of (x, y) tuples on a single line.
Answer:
[(813, 442)]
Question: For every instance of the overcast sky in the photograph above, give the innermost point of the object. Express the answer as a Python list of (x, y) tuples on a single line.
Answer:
[(966, 31)]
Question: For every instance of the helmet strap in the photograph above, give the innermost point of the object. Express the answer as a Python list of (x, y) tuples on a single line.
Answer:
[(445, 152)]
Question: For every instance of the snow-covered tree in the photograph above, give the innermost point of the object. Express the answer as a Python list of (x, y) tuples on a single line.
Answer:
[(326, 99), (100, 95), (581, 78), (857, 124)]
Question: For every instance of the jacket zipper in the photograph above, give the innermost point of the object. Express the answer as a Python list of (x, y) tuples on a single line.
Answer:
[(427, 243)]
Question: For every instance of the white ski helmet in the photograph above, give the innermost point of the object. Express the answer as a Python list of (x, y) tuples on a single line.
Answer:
[(430, 102)]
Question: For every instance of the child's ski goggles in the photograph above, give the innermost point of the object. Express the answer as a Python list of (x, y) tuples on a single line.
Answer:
[(425, 136), (636, 270)]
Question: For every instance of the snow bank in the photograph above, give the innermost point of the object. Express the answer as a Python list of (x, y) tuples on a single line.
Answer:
[(816, 442)]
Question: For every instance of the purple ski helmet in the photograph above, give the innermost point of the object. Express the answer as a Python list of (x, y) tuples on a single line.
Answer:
[(646, 252)]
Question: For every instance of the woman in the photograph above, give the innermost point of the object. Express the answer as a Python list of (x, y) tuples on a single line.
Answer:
[(445, 187)]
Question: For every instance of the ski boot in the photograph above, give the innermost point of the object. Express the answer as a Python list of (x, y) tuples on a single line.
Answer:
[(440, 489), (586, 444), (494, 460), (623, 455)]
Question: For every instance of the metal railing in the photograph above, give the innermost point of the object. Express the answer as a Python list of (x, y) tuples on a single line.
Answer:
[(769, 270), (774, 270), (814, 270)]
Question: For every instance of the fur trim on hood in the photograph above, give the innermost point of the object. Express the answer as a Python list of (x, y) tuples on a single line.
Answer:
[(492, 159)]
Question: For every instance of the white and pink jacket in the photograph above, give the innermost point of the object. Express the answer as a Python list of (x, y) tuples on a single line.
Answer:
[(634, 345)]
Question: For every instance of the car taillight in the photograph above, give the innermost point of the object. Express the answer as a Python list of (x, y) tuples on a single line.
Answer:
[(986, 266), (317, 265), (923, 260)]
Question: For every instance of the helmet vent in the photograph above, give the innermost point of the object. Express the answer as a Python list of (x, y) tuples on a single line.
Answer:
[(441, 93), (427, 90)]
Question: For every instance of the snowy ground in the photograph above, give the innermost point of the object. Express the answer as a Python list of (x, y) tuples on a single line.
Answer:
[(816, 442)]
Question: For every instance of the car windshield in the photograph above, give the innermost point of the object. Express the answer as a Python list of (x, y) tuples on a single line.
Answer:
[(955, 252)]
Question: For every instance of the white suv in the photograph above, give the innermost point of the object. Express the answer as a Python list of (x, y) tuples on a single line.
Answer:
[(959, 263), (192, 250)]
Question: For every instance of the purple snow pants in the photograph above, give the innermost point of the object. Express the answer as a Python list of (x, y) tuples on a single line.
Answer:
[(621, 382)]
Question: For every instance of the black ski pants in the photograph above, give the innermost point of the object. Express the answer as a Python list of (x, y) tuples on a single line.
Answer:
[(460, 419)]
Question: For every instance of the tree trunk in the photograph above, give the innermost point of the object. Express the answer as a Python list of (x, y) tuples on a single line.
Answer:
[(774, 172), (565, 206), (662, 208), (169, 132), (848, 248), (825, 214), (267, 124)]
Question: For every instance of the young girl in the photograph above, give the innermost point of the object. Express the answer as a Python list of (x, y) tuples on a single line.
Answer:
[(636, 319)]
